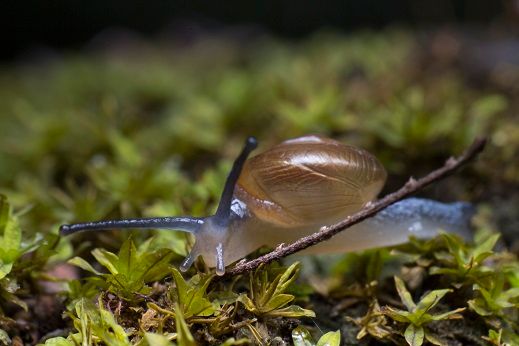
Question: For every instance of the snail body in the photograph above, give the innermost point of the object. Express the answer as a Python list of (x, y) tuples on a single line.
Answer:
[(290, 191)]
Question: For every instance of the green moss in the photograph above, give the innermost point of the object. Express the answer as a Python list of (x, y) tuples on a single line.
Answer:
[(95, 136)]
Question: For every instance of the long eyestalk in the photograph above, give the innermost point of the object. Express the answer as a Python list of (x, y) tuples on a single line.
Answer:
[(215, 229), (224, 207), (186, 224)]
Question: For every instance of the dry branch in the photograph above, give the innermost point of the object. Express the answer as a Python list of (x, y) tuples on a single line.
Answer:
[(327, 232)]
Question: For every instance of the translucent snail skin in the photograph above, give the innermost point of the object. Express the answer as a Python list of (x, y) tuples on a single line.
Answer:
[(290, 191)]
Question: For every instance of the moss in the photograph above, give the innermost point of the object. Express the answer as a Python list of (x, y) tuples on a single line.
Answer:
[(152, 131)]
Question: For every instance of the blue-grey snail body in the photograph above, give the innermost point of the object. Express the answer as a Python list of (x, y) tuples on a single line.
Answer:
[(290, 191)]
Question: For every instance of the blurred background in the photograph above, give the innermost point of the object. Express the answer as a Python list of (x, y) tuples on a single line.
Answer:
[(122, 109), (72, 23)]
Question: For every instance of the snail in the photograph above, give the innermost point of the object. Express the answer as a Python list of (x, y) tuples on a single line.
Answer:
[(290, 191)]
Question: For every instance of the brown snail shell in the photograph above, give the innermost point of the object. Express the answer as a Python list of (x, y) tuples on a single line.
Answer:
[(309, 180)]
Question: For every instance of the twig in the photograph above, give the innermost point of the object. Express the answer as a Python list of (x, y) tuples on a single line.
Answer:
[(329, 231)]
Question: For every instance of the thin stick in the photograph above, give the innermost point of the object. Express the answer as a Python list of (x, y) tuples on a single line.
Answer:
[(327, 232)]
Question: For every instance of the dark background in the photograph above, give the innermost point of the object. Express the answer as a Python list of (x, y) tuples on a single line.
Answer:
[(71, 23)]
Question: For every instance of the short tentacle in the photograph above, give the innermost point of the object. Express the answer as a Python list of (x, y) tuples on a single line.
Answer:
[(220, 263), (186, 224), (188, 261)]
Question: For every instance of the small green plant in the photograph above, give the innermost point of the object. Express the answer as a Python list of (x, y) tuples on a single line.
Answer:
[(130, 269), (11, 250), (495, 300), (494, 337), (11, 239), (501, 338), (464, 263), (267, 293), (418, 315), (94, 325), (190, 296)]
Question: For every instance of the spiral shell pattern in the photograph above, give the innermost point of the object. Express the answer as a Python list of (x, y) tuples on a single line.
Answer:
[(309, 180)]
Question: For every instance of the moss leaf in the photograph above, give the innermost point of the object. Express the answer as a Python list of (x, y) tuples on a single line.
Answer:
[(184, 336), (431, 299), (81, 263), (59, 341), (153, 339), (330, 339), (4, 338), (301, 337), (292, 311), (414, 335), (404, 294)]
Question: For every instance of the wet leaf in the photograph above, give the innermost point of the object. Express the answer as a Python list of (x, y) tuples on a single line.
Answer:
[(330, 339), (301, 337)]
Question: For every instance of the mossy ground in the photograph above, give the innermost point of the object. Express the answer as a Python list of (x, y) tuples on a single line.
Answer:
[(146, 129)]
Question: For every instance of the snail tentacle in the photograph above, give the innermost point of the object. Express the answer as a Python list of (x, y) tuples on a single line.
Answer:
[(220, 264), (215, 232), (188, 224), (188, 261), (224, 207)]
